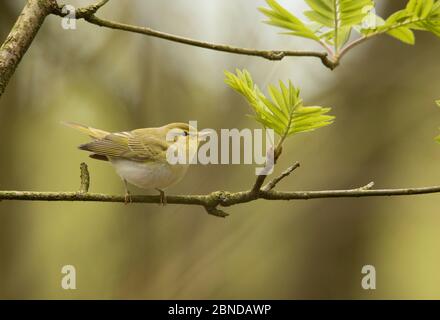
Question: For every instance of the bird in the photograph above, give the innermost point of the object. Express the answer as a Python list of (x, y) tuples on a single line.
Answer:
[(140, 156)]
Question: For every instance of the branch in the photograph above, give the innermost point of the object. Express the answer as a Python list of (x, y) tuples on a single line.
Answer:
[(276, 154), (87, 11), (353, 44), (367, 186), (283, 175), (351, 193), (266, 54), (21, 36), (210, 202), (88, 14), (218, 198)]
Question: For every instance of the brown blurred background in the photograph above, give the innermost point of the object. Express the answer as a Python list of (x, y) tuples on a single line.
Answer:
[(382, 95)]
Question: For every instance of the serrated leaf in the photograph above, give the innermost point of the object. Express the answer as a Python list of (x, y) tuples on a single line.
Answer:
[(403, 34), (339, 16), (423, 15), (284, 111), (282, 18)]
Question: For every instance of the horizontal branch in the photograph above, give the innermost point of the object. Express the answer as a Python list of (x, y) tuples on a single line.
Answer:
[(266, 54), (352, 193), (218, 198), (88, 14)]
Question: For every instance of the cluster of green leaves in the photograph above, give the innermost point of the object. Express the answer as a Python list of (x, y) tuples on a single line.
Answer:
[(421, 15), (284, 112), (332, 21)]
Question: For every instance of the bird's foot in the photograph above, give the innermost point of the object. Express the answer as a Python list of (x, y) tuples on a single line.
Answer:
[(163, 198), (127, 198)]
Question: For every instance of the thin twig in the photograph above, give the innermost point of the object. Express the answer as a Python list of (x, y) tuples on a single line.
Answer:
[(85, 178), (273, 55), (353, 193), (330, 58), (351, 45), (80, 13), (276, 154), (261, 178), (368, 186), (283, 175), (88, 14)]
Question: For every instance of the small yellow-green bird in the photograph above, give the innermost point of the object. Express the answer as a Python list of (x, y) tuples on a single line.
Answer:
[(140, 156)]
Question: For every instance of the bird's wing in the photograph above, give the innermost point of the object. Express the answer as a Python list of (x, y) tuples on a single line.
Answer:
[(129, 145), (147, 145)]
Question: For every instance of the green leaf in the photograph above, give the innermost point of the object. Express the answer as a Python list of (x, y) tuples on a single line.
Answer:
[(282, 18), (338, 13), (403, 34), (284, 111), (374, 22), (339, 16), (423, 15)]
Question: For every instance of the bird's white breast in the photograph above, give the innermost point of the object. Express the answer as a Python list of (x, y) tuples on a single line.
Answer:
[(149, 175)]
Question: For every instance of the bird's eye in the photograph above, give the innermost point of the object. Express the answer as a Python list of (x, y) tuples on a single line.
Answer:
[(185, 133)]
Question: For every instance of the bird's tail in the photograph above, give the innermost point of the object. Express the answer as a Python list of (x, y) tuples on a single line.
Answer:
[(92, 132)]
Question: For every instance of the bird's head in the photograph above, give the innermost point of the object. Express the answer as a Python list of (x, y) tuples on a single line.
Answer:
[(183, 133), (185, 137)]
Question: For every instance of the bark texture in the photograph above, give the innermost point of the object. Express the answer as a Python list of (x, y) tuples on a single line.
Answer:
[(21, 37)]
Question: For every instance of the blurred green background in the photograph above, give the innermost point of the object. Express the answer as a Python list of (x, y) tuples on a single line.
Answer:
[(382, 95)]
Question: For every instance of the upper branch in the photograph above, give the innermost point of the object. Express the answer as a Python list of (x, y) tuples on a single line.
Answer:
[(21, 36), (267, 54), (88, 14)]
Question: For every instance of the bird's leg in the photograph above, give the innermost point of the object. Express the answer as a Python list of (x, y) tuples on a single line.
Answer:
[(127, 198), (163, 198)]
